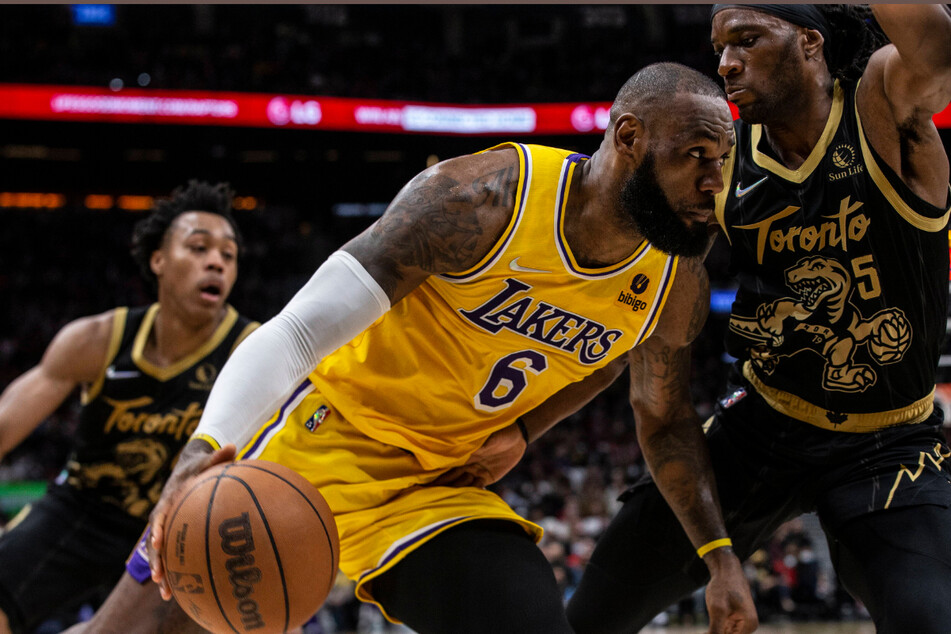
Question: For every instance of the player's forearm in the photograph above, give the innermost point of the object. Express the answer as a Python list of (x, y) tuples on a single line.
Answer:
[(26, 403), (920, 32), (337, 304), (677, 455)]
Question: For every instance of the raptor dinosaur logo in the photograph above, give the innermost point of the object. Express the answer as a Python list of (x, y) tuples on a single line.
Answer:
[(820, 319), (130, 480)]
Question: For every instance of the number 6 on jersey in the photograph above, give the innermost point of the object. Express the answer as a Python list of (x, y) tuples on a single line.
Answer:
[(508, 379)]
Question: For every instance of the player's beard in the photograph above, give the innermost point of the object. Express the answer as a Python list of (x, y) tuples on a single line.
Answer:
[(648, 209)]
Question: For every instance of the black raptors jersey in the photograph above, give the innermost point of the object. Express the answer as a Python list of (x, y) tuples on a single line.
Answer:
[(137, 416), (843, 279)]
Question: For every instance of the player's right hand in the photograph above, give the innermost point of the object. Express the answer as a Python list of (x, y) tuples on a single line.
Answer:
[(728, 597), (496, 457), (196, 456)]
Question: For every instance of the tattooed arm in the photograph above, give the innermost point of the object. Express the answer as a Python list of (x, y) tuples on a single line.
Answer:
[(670, 435), (446, 219)]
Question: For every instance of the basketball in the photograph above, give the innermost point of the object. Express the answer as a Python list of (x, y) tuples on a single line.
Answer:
[(250, 546)]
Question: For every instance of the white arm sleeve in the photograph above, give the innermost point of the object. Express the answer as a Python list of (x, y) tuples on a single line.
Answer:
[(339, 302)]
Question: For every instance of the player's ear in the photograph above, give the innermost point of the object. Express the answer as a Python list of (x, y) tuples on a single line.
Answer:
[(157, 261), (812, 42), (630, 138)]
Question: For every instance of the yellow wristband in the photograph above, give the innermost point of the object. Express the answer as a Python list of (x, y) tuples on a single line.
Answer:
[(208, 439), (716, 543)]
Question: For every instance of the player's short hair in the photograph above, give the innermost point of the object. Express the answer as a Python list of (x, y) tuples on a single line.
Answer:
[(854, 36), (149, 234), (658, 84)]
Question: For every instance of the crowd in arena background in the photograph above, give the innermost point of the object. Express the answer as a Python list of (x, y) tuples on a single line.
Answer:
[(61, 264), (447, 53)]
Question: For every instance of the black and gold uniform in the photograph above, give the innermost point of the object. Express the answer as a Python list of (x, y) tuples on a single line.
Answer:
[(843, 285), (837, 327), (135, 418)]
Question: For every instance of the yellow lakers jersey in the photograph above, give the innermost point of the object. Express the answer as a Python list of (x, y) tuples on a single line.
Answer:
[(466, 353)]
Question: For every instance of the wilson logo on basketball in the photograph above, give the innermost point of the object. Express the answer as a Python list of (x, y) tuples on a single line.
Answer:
[(238, 543)]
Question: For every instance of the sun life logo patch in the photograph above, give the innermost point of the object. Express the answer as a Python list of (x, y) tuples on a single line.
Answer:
[(843, 158), (318, 417), (843, 155)]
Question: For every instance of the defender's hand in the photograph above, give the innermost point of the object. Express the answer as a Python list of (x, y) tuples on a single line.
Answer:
[(729, 601), (487, 464), (196, 456)]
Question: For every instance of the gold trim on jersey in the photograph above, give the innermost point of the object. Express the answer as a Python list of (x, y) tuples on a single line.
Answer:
[(17, 519), (524, 177), (251, 327), (915, 219), (168, 372), (719, 210), (795, 407), (818, 152), (115, 339)]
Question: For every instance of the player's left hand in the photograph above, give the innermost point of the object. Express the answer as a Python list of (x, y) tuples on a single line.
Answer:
[(487, 464), (729, 601), (196, 456)]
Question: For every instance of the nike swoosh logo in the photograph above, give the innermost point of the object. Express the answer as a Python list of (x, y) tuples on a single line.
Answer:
[(740, 192), (515, 266), (112, 373)]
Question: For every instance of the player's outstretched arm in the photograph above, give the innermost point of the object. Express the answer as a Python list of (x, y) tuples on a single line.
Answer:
[(444, 220), (76, 355), (904, 84), (917, 68), (503, 449), (675, 449)]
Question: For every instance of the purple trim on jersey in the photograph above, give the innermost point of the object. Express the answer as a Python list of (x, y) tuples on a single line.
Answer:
[(137, 565), (459, 277), (426, 533), (668, 268), (278, 419), (563, 246)]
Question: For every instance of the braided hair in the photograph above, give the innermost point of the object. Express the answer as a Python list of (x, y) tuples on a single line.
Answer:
[(855, 35)]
